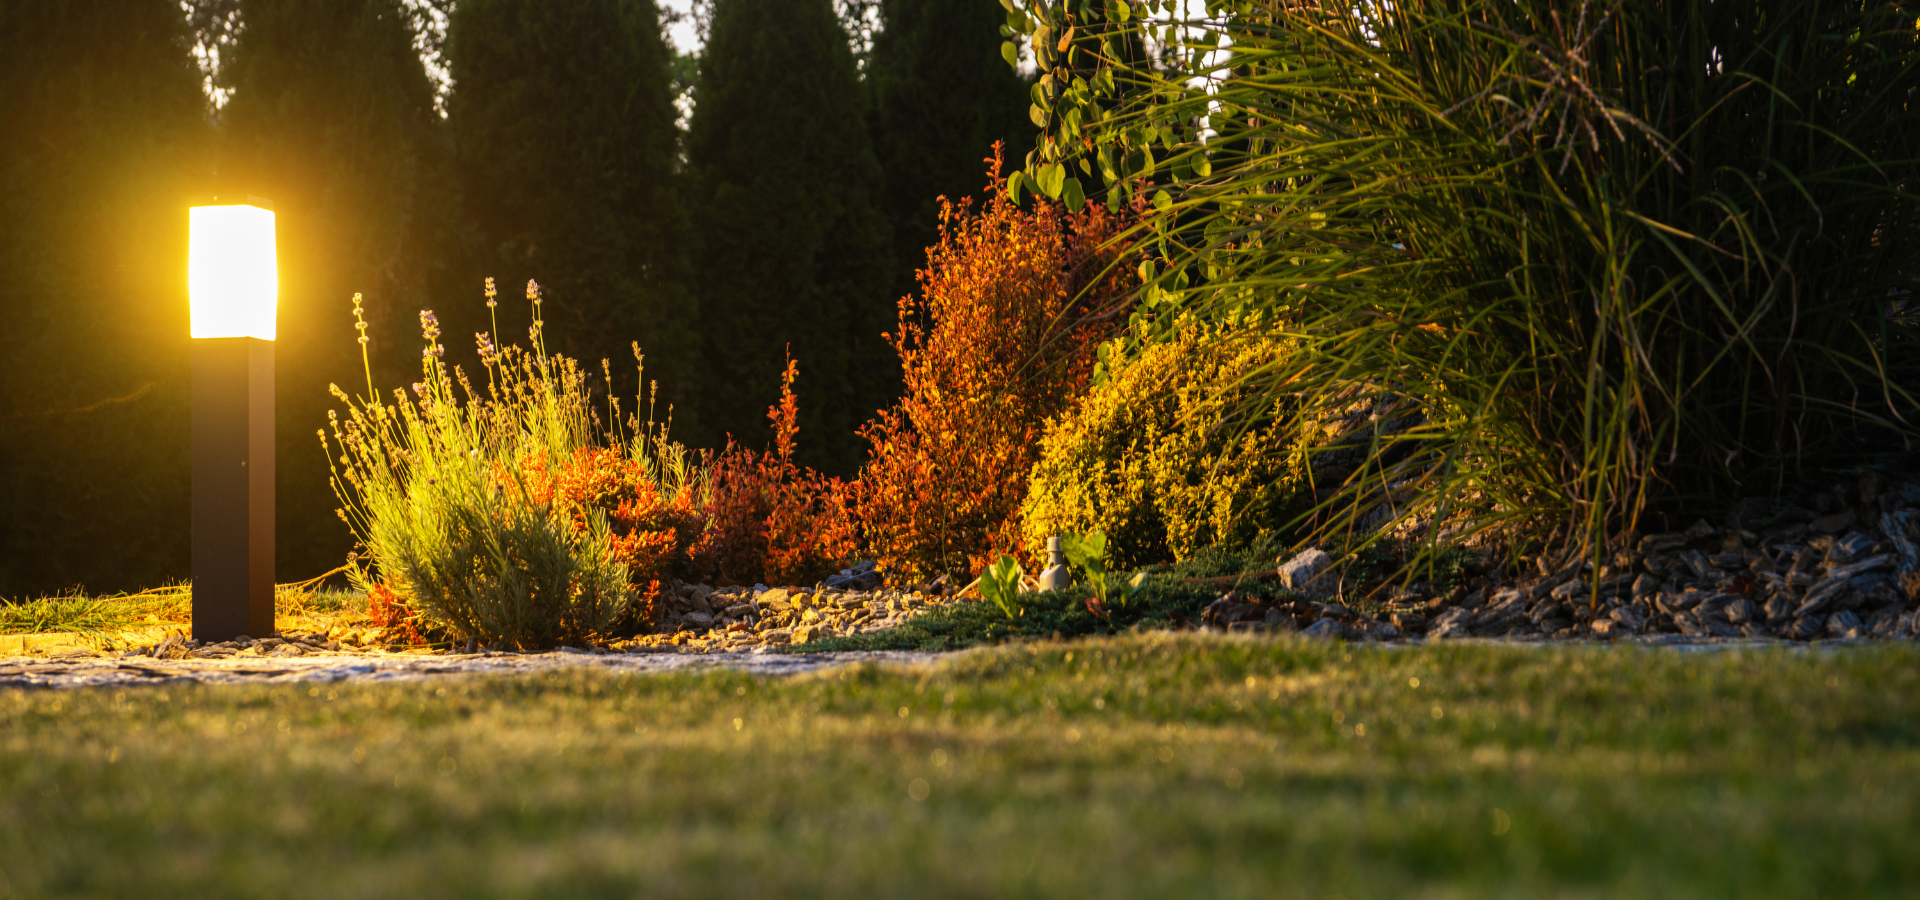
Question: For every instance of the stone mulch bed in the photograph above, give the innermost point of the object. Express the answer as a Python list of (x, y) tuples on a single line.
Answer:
[(703, 618), (1849, 570)]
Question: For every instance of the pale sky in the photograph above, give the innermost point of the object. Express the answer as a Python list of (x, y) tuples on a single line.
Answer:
[(685, 39)]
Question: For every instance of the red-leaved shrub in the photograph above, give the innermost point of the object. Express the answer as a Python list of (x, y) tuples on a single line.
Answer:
[(389, 613), (1015, 304), (652, 534), (770, 518)]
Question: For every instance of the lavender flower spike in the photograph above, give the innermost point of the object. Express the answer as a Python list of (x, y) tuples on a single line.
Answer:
[(492, 295), (429, 326)]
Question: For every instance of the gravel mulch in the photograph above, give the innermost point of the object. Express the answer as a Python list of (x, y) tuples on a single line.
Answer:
[(703, 618), (1846, 570)]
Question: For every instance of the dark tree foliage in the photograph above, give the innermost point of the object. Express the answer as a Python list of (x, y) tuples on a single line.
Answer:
[(105, 125), (793, 247), (332, 119), (942, 95), (564, 127)]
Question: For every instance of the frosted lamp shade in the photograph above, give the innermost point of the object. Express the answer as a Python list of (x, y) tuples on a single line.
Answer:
[(233, 278)]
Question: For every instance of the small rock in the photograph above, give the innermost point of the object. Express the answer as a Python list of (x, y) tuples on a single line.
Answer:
[(1876, 589), (1308, 575), (1823, 592), (1631, 618), (1850, 548), (1897, 536), (1740, 610), (1804, 628), (1876, 563), (1844, 624), (861, 577), (1228, 611), (1698, 565), (1728, 560), (1325, 628), (1500, 618), (1780, 607), (1452, 624), (1661, 543), (1884, 621), (1576, 588), (698, 619)]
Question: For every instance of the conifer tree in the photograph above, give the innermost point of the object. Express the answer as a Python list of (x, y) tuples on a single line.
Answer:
[(332, 119), (794, 250), (566, 139), (105, 125), (942, 94)]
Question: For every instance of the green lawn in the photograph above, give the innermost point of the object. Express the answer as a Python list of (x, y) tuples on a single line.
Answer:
[(1155, 766)]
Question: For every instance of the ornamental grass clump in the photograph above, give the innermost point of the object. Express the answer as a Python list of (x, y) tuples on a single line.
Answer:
[(1602, 260), (507, 512)]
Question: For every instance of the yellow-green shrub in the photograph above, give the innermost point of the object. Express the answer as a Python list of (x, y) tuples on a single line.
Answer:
[(1173, 453)]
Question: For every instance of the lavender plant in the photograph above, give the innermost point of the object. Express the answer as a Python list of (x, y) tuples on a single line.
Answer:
[(454, 493)]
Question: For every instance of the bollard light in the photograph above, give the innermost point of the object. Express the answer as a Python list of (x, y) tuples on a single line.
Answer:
[(233, 289)]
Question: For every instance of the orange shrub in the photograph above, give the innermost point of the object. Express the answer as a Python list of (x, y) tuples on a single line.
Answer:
[(652, 534), (768, 517), (389, 612), (1015, 304)]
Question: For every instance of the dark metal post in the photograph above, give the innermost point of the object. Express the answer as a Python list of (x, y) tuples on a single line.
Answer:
[(232, 488)]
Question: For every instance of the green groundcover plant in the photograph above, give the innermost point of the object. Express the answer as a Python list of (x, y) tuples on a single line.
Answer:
[(1584, 262), (1100, 603)]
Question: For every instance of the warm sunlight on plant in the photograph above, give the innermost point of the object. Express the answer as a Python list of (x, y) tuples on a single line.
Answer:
[(508, 512), (1015, 303)]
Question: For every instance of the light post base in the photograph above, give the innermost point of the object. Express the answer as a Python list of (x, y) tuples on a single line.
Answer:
[(232, 488)]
